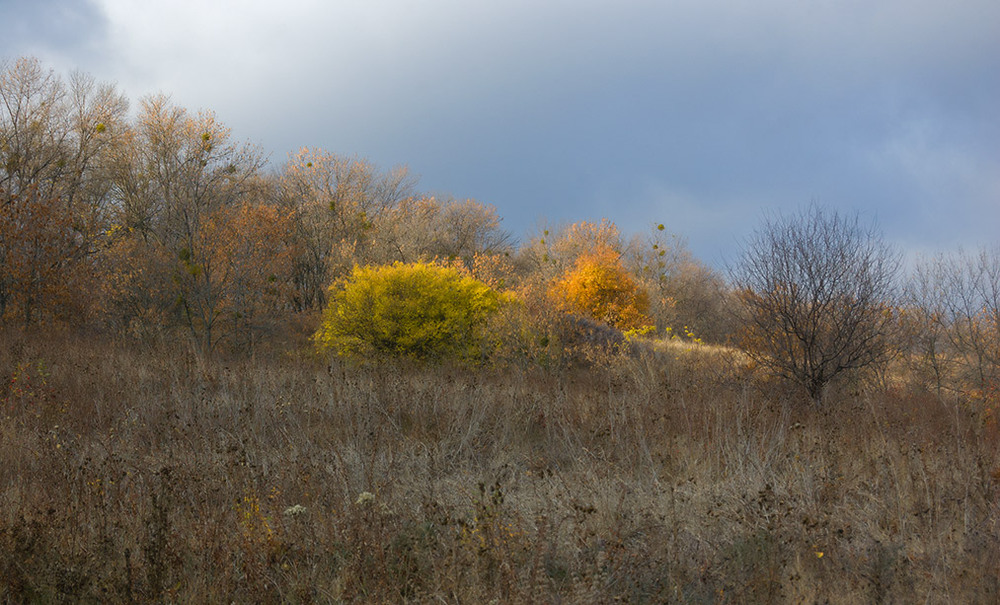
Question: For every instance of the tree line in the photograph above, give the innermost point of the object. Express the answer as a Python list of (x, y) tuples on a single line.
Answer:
[(163, 220), (162, 223)]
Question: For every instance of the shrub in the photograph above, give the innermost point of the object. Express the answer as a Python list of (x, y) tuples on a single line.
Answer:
[(599, 287), (419, 310)]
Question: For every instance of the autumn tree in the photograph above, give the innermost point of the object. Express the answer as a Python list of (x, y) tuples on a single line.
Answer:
[(179, 168), (56, 141), (177, 174), (235, 286), (335, 202), (249, 252), (553, 251), (33, 129), (136, 276), (538, 266), (817, 291), (40, 255), (98, 123)]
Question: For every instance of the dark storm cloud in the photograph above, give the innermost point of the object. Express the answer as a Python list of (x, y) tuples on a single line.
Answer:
[(696, 114)]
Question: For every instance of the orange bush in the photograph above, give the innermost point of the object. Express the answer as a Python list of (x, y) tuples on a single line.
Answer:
[(599, 286)]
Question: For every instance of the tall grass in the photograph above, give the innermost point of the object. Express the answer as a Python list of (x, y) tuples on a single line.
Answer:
[(138, 475)]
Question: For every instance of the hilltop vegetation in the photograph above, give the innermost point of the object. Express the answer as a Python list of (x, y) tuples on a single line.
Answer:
[(162, 223), (318, 384)]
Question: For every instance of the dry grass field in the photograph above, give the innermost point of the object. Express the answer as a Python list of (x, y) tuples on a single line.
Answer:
[(678, 475)]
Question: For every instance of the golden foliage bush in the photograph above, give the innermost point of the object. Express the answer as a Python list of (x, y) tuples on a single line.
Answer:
[(599, 287), (419, 310)]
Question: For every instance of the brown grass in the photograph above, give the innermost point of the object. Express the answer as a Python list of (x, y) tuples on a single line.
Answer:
[(147, 474)]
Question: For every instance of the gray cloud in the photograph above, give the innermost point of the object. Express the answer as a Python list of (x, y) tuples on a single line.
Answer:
[(60, 29), (693, 113)]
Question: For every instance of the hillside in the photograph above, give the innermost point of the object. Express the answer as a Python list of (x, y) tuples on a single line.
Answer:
[(680, 476)]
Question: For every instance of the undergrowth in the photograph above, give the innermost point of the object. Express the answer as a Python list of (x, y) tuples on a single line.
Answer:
[(671, 475)]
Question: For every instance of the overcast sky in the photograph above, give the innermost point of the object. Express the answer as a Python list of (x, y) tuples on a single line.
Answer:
[(700, 114)]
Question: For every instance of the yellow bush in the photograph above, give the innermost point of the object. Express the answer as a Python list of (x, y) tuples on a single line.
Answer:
[(420, 310)]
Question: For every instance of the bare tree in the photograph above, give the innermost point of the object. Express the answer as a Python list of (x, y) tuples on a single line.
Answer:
[(956, 302), (336, 202), (817, 291), (425, 228), (686, 295)]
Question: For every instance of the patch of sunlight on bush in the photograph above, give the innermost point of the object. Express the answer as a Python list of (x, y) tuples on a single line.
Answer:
[(418, 310)]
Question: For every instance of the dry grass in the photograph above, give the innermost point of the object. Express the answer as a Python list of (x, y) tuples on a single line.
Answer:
[(137, 475)]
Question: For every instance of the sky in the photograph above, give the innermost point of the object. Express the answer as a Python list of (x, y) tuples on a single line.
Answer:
[(704, 115)]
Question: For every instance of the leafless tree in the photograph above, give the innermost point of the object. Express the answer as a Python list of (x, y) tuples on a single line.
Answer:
[(956, 330), (817, 292), (426, 228), (686, 295), (336, 202)]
